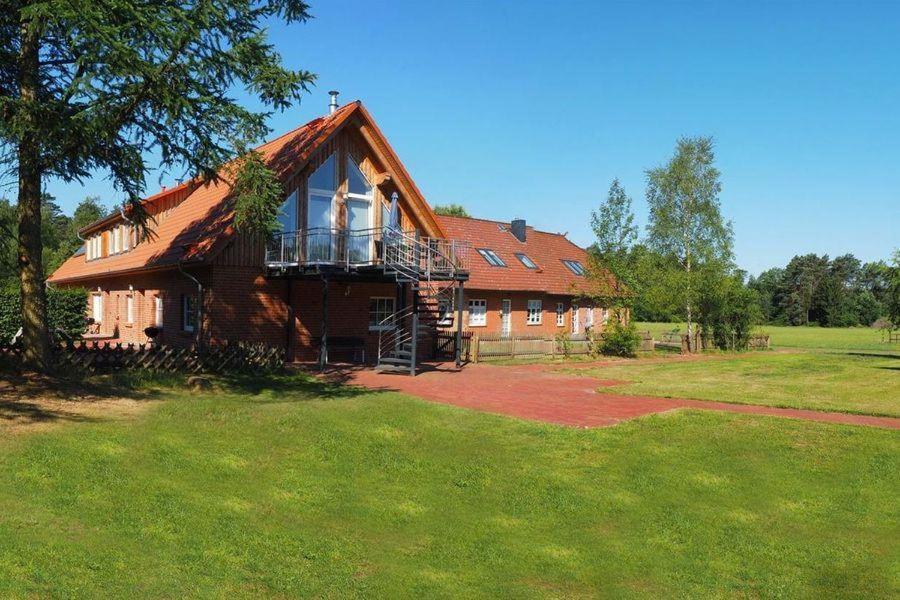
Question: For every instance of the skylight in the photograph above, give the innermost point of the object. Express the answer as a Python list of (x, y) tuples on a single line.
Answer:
[(574, 266), (523, 258), (491, 257)]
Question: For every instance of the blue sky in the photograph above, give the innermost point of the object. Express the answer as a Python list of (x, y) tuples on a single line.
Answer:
[(530, 109)]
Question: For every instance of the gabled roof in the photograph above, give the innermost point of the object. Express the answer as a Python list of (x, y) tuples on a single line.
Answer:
[(202, 224), (546, 250)]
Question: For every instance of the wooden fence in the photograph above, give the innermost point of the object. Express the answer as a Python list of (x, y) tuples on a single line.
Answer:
[(93, 357)]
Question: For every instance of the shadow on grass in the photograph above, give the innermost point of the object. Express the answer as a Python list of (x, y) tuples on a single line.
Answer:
[(301, 385), (30, 398), (873, 355)]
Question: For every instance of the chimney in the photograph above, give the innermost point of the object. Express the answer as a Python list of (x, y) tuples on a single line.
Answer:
[(333, 105), (517, 228)]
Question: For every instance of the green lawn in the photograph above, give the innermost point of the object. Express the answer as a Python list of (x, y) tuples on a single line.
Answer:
[(823, 338), (298, 489), (856, 383)]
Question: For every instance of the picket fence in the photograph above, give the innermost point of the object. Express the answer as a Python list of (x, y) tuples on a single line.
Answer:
[(93, 357)]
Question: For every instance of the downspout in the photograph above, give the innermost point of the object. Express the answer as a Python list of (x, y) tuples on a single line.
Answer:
[(199, 304)]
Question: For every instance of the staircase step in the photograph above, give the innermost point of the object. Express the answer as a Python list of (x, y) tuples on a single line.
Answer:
[(394, 361), (392, 369)]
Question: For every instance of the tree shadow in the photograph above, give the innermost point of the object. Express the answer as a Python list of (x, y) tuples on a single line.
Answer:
[(874, 355), (304, 385)]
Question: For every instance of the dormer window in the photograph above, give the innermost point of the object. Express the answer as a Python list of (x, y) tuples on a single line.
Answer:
[(491, 257), (574, 266), (523, 258)]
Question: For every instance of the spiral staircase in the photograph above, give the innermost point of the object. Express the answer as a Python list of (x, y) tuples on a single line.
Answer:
[(433, 270)]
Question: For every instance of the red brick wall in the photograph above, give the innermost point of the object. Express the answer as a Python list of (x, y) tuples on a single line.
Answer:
[(348, 315), (518, 314), (144, 288)]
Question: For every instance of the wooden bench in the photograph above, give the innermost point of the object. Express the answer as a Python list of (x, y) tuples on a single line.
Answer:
[(337, 343)]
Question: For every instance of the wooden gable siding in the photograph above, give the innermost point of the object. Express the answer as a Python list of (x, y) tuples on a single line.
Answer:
[(247, 250)]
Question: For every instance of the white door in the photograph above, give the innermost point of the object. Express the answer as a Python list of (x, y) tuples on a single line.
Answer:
[(359, 241), (320, 216), (505, 317)]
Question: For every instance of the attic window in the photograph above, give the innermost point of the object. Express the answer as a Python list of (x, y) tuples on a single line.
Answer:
[(491, 257), (574, 266), (523, 258)]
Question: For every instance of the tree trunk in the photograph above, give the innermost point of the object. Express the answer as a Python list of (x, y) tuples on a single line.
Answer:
[(35, 333)]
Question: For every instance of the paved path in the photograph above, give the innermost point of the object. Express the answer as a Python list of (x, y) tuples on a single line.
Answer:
[(538, 393)]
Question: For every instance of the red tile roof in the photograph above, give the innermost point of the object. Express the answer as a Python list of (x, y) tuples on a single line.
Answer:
[(546, 250), (201, 224)]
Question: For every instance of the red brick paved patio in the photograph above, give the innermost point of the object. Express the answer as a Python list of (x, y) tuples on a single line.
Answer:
[(540, 394)]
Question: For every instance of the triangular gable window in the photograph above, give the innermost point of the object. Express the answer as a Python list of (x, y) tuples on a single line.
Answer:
[(357, 184)]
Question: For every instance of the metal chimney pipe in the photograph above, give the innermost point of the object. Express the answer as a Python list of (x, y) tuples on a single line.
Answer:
[(333, 105)]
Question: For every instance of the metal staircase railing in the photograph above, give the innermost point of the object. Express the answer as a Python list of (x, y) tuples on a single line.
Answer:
[(424, 263)]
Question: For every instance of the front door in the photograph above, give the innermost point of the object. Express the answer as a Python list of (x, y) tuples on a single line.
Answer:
[(505, 317)]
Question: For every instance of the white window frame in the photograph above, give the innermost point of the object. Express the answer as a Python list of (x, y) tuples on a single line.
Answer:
[(574, 266), (158, 308), (526, 261), (589, 318), (185, 301), (560, 314), (491, 257), (477, 317), (129, 308), (576, 325), (534, 312), (382, 313), (126, 238), (97, 307)]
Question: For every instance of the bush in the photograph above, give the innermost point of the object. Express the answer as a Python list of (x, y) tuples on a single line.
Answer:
[(564, 344), (66, 310), (620, 339)]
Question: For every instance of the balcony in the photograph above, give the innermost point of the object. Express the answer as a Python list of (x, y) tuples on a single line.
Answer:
[(398, 252)]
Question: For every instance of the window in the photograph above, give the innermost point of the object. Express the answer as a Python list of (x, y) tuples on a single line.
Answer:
[(589, 318), (319, 213), (97, 307), (560, 314), (575, 323), (126, 238), (523, 258), (158, 309), (533, 316), (604, 315), (477, 313), (287, 214), (381, 311), (188, 312), (96, 245), (129, 308), (574, 266), (491, 257)]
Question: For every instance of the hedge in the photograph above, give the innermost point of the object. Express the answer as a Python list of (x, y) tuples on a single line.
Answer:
[(66, 310)]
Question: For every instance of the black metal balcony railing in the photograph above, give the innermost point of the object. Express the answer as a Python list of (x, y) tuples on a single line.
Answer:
[(351, 248)]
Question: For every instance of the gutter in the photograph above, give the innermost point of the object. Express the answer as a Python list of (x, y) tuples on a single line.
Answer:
[(199, 285)]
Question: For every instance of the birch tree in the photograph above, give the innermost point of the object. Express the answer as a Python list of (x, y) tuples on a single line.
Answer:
[(686, 219)]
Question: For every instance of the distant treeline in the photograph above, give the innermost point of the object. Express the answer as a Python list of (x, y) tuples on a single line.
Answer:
[(838, 292)]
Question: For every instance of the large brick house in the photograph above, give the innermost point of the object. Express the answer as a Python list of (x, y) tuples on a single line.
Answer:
[(363, 266), (527, 282)]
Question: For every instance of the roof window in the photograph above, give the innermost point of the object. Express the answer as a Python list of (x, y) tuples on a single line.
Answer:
[(491, 257)]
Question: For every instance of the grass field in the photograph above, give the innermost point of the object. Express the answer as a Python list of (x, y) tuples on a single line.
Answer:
[(847, 382), (820, 338), (291, 488)]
